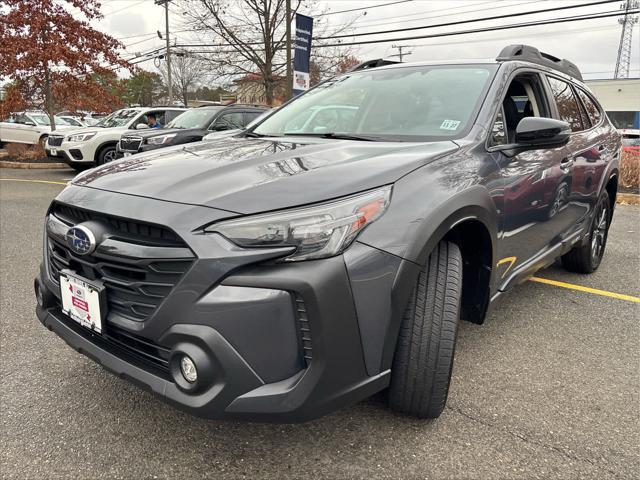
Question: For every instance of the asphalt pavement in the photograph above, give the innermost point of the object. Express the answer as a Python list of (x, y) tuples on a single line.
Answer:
[(549, 387)]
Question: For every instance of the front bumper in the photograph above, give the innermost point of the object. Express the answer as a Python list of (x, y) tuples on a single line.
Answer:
[(276, 342)]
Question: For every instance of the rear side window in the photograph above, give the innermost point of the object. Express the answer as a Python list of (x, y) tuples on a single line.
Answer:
[(590, 106), (567, 103)]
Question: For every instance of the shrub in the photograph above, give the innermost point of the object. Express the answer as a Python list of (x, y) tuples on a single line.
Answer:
[(630, 170), (24, 153)]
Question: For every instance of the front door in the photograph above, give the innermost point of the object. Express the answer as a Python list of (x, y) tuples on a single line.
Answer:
[(535, 183)]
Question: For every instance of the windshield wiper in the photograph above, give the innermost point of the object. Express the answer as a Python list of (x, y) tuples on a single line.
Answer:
[(253, 135), (336, 136)]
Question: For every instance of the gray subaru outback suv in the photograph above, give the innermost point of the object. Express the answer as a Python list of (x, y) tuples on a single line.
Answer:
[(330, 251)]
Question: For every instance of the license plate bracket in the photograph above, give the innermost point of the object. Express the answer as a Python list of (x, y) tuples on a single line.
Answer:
[(83, 300)]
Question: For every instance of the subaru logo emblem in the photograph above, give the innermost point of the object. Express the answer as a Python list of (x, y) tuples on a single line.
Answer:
[(81, 240)]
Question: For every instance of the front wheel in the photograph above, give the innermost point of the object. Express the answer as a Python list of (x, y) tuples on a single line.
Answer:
[(423, 361), (586, 258), (106, 154)]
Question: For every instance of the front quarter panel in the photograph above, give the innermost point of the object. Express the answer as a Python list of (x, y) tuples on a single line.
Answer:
[(426, 203)]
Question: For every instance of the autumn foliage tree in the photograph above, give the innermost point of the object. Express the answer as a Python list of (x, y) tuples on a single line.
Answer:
[(54, 59)]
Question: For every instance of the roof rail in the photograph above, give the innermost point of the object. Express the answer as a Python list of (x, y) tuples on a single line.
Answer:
[(378, 62), (531, 54)]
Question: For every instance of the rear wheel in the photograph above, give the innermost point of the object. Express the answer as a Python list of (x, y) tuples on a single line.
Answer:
[(106, 154), (587, 258), (423, 361)]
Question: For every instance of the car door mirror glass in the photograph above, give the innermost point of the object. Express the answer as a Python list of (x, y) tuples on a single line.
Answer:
[(534, 132)]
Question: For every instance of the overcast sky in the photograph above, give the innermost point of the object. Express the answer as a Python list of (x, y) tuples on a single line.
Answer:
[(591, 44)]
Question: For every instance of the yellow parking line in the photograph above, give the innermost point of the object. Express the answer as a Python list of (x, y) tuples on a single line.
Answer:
[(580, 288), (31, 181)]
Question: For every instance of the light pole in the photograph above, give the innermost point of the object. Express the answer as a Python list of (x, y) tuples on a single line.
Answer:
[(168, 54)]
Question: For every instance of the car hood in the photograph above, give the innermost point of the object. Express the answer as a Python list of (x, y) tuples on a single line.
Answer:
[(155, 132), (99, 130), (246, 175)]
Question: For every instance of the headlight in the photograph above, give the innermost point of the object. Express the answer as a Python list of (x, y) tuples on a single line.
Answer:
[(161, 139), (318, 231), (81, 137)]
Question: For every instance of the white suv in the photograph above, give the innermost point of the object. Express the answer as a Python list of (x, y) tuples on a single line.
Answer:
[(96, 145), (29, 127)]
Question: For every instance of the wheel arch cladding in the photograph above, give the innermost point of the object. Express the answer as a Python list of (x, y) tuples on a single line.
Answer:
[(110, 143), (612, 190), (411, 229)]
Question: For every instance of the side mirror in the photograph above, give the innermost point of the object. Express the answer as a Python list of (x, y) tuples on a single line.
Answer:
[(221, 127), (534, 132), (30, 123), (141, 126)]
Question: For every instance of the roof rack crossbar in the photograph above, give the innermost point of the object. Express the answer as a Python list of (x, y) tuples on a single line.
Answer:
[(531, 54), (378, 62)]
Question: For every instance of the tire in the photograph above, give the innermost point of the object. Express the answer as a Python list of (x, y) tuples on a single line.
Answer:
[(42, 141), (106, 154), (586, 258), (423, 361)]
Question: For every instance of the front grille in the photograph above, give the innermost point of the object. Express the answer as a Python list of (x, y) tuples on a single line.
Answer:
[(130, 144), (305, 331), (55, 140), (139, 232), (135, 286)]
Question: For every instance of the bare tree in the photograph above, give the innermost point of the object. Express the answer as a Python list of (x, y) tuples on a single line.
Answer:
[(186, 72), (248, 37)]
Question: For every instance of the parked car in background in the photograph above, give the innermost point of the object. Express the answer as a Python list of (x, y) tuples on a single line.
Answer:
[(96, 145), (227, 133), (72, 121), (29, 127), (190, 127), (630, 139)]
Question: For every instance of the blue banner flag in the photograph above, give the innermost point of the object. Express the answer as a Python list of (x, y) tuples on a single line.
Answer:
[(304, 29)]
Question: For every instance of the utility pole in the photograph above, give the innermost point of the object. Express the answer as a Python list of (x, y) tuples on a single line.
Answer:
[(400, 54), (624, 49), (289, 89), (168, 54)]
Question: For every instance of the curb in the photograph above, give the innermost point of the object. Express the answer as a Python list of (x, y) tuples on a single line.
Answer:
[(628, 198), (23, 165)]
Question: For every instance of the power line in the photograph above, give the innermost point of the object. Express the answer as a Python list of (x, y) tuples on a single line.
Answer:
[(460, 22), (574, 18), (123, 8), (363, 8), (424, 27)]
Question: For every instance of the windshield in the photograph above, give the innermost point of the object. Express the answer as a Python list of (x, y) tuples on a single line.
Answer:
[(41, 119), (117, 119), (196, 118), (400, 104)]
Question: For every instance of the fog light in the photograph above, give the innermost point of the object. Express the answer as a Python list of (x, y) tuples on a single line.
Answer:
[(188, 369)]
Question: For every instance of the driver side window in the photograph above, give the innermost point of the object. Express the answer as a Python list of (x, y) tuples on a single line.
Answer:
[(523, 98)]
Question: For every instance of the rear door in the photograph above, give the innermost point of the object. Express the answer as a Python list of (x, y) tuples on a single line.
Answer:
[(584, 153)]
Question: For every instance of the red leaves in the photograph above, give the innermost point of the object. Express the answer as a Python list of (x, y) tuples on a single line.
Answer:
[(41, 38)]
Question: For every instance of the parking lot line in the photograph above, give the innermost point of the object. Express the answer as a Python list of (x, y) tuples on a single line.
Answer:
[(580, 288), (31, 181)]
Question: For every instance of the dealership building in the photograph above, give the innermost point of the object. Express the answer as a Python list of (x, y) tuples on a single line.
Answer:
[(621, 100)]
